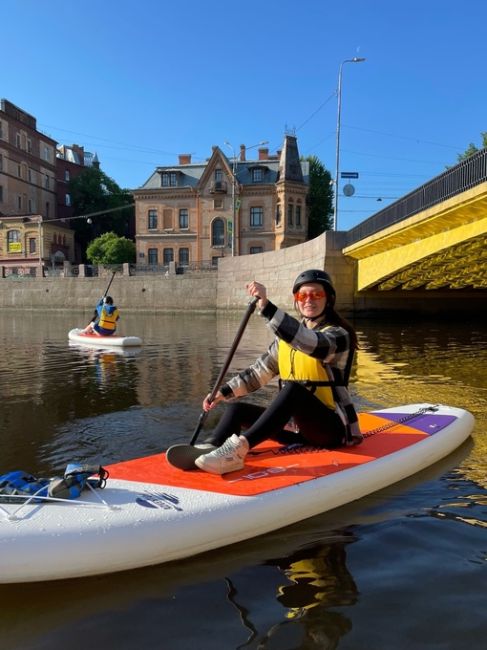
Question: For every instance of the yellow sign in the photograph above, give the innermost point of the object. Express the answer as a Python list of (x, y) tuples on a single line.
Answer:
[(15, 247)]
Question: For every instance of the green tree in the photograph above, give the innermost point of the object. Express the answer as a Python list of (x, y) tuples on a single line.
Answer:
[(111, 249), (94, 191), (320, 198), (471, 149)]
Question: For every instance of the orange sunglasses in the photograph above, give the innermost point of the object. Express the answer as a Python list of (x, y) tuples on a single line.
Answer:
[(303, 296)]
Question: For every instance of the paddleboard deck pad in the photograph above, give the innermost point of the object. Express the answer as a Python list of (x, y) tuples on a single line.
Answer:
[(79, 336), (151, 512)]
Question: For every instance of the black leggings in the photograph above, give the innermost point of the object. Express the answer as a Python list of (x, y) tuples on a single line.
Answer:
[(317, 424)]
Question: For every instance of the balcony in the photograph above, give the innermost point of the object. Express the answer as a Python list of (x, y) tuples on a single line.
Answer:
[(218, 187)]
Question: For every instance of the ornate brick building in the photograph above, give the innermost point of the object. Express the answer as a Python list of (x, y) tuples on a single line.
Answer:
[(196, 213)]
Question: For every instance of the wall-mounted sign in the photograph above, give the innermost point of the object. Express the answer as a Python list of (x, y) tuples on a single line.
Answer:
[(15, 247)]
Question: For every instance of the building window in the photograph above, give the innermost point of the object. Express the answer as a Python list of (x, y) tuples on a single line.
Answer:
[(19, 202), (214, 260), (47, 208), (46, 153), (68, 199), (256, 217), (218, 175), (217, 204), (290, 213), (46, 182), (29, 145), (66, 175), (257, 175), (17, 140), (30, 206), (278, 214), (183, 256), (32, 245), (1, 162), (19, 171), (169, 179), (298, 214), (183, 219), (29, 175), (1, 193), (14, 244), (218, 232), (256, 249), (152, 257), (152, 219), (168, 255)]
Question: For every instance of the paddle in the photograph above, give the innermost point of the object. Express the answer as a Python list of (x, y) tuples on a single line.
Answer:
[(109, 284), (248, 313)]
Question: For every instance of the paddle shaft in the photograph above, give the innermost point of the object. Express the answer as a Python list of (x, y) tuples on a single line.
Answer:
[(109, 284), (248, 313)]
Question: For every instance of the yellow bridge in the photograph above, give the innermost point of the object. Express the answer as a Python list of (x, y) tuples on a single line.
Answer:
[(433, 238)]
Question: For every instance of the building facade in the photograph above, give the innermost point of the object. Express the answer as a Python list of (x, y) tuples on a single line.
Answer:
[(27, 165), (197, 213), (35, 204)]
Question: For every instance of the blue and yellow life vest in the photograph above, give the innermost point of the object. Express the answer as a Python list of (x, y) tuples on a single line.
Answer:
[(108, 320)]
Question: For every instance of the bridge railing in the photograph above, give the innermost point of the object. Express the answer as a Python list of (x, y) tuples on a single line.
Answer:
[(468, 173)]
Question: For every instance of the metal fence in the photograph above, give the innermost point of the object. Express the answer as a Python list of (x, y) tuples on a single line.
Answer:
[(455, 180)]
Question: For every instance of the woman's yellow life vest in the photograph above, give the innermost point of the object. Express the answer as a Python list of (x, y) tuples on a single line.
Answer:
[(297, 366), (108, 321)]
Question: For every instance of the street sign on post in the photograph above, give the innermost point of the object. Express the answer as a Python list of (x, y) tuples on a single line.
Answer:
[(349, 174)]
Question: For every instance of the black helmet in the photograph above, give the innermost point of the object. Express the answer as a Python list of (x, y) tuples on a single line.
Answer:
[(320, 277), (108, 300)]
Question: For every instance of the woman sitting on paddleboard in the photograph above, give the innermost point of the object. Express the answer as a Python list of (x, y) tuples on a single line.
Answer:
[(312, 358), (105, 319)]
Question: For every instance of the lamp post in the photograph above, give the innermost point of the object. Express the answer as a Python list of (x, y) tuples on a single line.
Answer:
[(234, 209), (339, 109), (234, 183)]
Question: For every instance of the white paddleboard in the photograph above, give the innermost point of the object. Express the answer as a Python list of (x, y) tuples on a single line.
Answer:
[(78, 336), (150, 512)]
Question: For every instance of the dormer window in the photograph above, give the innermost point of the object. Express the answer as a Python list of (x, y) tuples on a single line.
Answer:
[(169, 179), (218, 175), (257, 175)]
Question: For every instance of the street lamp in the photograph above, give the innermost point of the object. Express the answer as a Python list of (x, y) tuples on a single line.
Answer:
[(234, 183), (339, 109)]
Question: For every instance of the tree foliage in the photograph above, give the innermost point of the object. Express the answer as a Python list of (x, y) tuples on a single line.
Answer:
[(320, 198), (94, 191), (472, 149), (111, 249)]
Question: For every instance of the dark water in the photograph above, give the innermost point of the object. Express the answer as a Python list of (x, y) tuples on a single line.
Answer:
[(405, 568)]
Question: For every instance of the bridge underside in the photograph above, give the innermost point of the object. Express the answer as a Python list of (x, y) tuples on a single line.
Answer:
[(444, 247)]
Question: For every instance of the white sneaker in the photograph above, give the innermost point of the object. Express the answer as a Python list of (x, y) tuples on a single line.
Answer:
[(228, 458)]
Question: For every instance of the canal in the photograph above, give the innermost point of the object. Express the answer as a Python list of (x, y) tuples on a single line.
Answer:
[(405, 568)]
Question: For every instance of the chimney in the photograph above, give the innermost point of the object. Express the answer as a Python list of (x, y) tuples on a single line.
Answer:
[(242, 153), (185, 159), (263, 154)]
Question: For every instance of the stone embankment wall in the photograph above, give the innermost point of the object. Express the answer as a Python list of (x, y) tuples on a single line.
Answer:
[(199, 291)]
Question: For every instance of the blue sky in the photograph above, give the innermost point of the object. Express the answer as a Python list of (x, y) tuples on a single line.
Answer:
[(140, 81)]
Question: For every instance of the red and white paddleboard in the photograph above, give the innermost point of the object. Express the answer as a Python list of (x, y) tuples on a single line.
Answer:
[(153, 513), (78, 336)]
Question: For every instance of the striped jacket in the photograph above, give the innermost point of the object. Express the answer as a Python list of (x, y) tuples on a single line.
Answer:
[(331, 346)]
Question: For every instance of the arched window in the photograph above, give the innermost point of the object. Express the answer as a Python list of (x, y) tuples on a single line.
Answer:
[(218, 232)]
